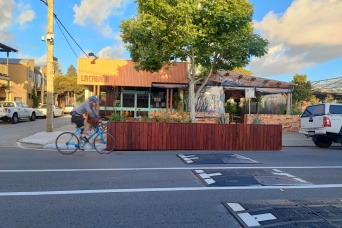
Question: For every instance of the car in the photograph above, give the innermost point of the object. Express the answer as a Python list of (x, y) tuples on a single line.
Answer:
[(70, 107), (323, 123), (41, 111), (16, 110)]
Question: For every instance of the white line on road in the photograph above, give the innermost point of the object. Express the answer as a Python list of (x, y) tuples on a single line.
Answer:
[(161, 168), (137, 190)]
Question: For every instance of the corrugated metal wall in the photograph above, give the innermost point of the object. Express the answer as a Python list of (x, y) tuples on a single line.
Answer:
[(122, 73)]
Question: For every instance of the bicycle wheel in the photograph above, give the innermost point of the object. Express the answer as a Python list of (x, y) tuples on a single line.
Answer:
[(104, 144), (67, 143)]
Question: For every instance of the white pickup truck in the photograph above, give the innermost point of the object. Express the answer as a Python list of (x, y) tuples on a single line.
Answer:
[(16, 110), (322, 122)]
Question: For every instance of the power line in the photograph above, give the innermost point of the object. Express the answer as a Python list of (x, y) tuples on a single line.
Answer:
[(65, 37), (58, 21), (70, 35)]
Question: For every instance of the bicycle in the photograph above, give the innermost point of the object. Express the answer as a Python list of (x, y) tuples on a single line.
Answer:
[(68, 142)]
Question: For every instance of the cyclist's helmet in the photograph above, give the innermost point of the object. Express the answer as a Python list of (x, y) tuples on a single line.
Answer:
[(94, 99)]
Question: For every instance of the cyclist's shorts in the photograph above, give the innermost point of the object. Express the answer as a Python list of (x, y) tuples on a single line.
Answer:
[(78, 120)]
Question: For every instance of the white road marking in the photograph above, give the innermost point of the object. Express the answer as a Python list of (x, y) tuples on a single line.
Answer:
[(138, 190), (244, 158), (253, 220), (281, 173), (236, 206), (161, 168), (188, 158), (284, 174), (300, 180), (207, 177)]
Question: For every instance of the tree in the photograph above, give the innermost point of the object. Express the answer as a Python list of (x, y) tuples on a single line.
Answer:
[(243, 71), (58, 68), (68, 84), (71, 71), (329, 98), (314, 100), (302, 91), (210, 34)]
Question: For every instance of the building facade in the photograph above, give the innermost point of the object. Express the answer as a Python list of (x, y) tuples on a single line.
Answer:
[(121, 88), (22, 80)]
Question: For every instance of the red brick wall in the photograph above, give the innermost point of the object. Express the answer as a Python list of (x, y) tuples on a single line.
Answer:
[(290, 123)]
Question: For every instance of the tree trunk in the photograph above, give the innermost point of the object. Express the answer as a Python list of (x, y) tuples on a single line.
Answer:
[(192, 101)]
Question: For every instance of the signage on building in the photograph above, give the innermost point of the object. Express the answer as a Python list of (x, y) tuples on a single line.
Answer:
[(89, 78), (250, 93)]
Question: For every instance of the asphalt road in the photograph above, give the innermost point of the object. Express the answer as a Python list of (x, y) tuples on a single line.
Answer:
[(11, 133), (42, 188)]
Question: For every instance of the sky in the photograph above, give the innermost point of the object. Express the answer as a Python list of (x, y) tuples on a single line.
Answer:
[(305, 36)]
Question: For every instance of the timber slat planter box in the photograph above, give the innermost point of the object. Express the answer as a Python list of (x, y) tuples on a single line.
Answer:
[(195, 136)]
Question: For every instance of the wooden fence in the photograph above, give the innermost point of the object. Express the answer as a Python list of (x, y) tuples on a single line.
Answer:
[(194, 136)]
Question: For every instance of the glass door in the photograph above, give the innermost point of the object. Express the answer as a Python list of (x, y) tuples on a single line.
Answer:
[(128, 104)]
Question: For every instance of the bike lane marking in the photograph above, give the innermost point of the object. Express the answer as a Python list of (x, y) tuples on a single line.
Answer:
[(138, 190), (163, 168)]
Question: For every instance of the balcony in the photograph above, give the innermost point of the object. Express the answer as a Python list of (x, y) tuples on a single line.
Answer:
[(3, 70)]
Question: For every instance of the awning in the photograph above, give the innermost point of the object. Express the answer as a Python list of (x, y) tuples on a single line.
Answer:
[(4, 48), (169, 85)]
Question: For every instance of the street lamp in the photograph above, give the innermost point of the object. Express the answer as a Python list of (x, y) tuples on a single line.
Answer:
[(93, 55)]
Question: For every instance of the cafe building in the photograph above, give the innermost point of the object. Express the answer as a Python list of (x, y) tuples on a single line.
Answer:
[(133, 93)]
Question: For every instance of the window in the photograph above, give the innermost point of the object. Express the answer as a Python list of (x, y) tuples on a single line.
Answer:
[(335, 109), (315, 110)]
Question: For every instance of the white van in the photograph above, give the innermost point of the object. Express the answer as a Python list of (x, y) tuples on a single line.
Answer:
[(323, 123)]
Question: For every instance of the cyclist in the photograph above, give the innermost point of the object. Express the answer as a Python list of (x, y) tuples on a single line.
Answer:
[(78, 118)]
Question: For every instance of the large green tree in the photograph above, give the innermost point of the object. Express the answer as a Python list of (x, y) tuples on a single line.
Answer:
[(209, 34), (302, 91)]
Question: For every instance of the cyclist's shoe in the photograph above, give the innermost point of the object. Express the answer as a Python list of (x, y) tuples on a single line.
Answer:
[(85, 139)]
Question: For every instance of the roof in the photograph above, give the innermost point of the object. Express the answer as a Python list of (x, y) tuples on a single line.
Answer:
[(15, 61), (332, 85), (232, 79), (4, 48)]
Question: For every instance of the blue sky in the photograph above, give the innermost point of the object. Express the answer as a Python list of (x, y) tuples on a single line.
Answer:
[(304, 35)]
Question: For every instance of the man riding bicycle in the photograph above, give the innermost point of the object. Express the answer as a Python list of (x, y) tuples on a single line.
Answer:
[(78, 118)]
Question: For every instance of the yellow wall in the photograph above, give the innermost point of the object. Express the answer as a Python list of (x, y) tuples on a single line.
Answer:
[(21, 83)]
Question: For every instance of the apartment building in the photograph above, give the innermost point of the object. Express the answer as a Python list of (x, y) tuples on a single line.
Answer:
[(21, 80)]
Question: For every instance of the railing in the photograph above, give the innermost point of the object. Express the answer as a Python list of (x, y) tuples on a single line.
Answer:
[(3, 69)]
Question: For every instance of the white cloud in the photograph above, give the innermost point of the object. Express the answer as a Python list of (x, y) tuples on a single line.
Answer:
[(117, 51), (38, 61), (26, 16), (97, 11), (307, 34), (9, 8), (6, 11), (106, 31)]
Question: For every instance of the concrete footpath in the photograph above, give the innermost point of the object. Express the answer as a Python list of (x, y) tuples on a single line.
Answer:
[(47, 139)]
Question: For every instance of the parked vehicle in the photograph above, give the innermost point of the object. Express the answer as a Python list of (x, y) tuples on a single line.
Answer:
[(323, 123), (42, 110), (16, 110), (70, 107)]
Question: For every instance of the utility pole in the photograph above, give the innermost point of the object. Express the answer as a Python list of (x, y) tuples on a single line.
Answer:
[(50, 68)]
